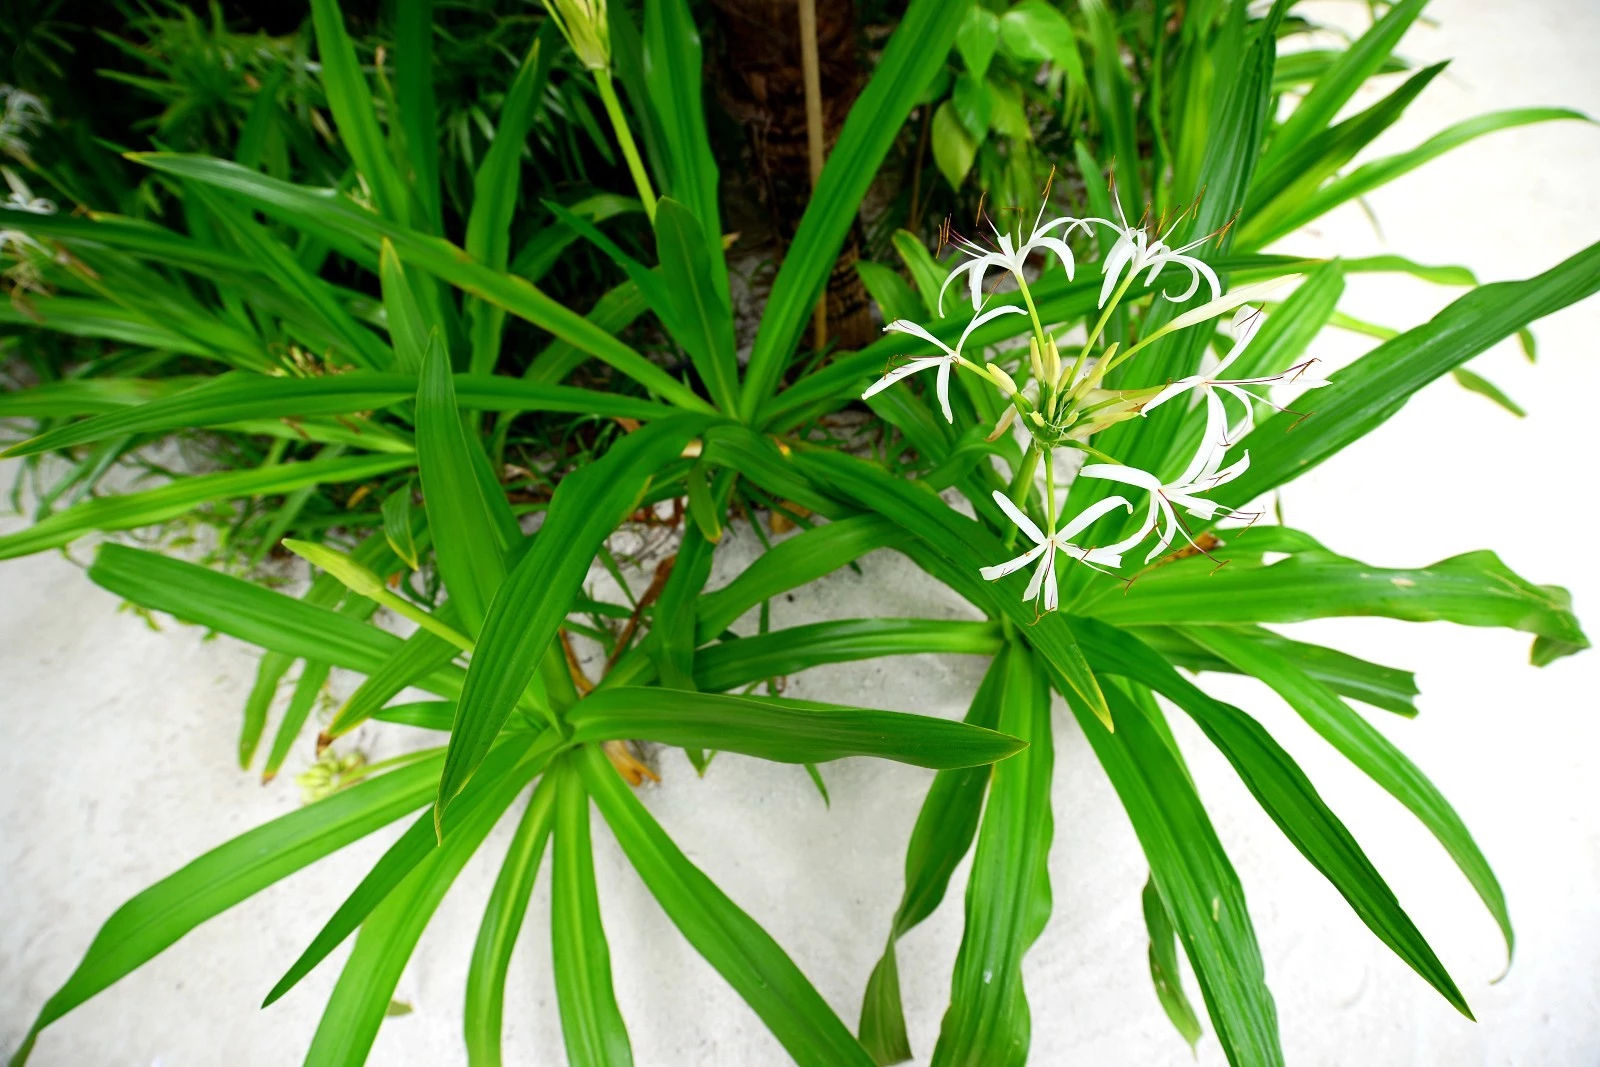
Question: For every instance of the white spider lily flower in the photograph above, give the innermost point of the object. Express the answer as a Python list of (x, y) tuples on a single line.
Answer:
[(1136, 252), (1045, 547), (1011, 254), (1214, 387), (1201, 477), (951, 356)]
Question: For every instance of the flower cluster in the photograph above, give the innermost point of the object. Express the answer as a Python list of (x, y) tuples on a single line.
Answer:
[(1062, 404)]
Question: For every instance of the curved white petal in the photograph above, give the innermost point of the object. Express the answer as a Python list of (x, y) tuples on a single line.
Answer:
[(1151, 514), (1177, 388), (952, 276), (1047, 565), (903, 371), (1052, 596), (942, 388), (1169, 526), (987, 316), (1120, 472), (1015, 514), (907, 326), (1010, 566), (1092, 513), (1119, 256), (1062, 252)]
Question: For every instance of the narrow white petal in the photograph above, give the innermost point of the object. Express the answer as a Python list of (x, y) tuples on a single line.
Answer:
[(1169, 526), (1052, 596), (1119, 472), (1062, 252), (907, 326), (905, 370), (942, 388), (1093, 512), (1177, 388), (1046, 565), (988, 316), (1010, 566), (1015, 514), (1145, 526)]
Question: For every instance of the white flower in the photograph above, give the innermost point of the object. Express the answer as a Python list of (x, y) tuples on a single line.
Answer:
[(1201, 477), (950, 358), (1010, 256), (1135, 252), (1045, 548), (1214, 387)]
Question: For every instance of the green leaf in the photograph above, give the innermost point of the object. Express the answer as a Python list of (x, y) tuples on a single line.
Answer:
[(230, 873), (1008, 893), (351, 104), (741, 951), (954, 147), (1163, 955), (909, 61), (1477, 383), (892, 293), (673, 71), (977, 39), (537, 594), (1474, 589), (730, 664), (1036, 30), (352, 229), (360, 999), (183, 495), (1375, 755), (591, 1023), (704, 311), (1285, 794), (401, 313), (502, 921), (970, 99), (1378, 384), (463, 520), (1341, 81), (942, 835), (785, 731)]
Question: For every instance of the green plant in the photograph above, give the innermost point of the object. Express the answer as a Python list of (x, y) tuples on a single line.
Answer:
[(718, 435)]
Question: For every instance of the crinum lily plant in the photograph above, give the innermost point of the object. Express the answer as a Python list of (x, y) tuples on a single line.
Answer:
[(1059, 404)]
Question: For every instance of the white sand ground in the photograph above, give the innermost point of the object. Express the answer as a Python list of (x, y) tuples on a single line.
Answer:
[(116, 765)]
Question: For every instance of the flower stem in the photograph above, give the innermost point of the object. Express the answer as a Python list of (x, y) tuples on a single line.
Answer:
[(630, 151)]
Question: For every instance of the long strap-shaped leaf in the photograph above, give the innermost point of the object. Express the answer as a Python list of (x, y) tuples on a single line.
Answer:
[(913, 55), (1284, 793), (786, 731), (1375, 755), (502, 921), (1378, 384), (182, 495), (536, 596), (591, 1023), (230, 873), (736, 945), (941, 837), (730, 664), (347, 227), (1008, 893)]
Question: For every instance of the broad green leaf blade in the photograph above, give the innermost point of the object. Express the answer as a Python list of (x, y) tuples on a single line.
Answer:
[(502, 921), (1474, 589), (1377, 385), (673, 72), (1164, 965), (591, 1023), (1375, 755), (361, 998), (1008, 894), (1285, 794), (183, 495), (705, 312), (941, 837), (505, 772), (790, 564), (730, 664), (230, 873), (741, 951), (786, 731), (356, 231), (537, 594), (351, 103), (250, 612), (909, 61), (1341, 80), (1196, 882), (469, 548)]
